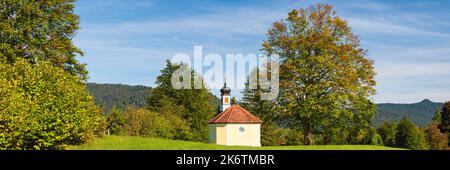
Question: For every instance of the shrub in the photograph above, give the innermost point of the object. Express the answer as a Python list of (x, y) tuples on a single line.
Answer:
[(269, 135), (372, 137), (115, 120), (338, 136), (44, 107), (281, 136), (173, 113), (295, 137), (142, 122), (377, 140)]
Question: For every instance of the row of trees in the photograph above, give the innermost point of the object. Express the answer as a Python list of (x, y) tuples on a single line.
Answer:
[(136, 121), (44, 103), (406, 134)]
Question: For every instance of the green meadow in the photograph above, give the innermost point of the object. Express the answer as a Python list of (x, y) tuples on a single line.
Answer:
[(141, 143)]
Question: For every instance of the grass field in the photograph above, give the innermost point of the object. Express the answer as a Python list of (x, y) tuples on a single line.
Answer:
[(140, 143)]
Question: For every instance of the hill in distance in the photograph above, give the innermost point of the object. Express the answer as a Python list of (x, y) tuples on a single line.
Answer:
[(420, 113), (118, 95)]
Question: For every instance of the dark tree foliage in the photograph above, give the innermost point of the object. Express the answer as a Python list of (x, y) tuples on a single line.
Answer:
[(115, 120), (387, 131), (263, 109), (445, 118), (444, 125)]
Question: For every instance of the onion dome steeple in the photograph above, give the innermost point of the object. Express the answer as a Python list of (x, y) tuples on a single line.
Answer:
[(225, 90), (225, 96)]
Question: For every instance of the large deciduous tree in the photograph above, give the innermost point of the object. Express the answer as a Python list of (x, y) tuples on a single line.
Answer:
[(40, 30), (325, 77)]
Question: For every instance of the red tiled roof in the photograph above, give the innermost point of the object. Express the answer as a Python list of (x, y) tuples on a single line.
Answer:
[(235, 114)]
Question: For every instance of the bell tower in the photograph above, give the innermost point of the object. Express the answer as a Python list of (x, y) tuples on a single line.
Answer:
[(225, 96)]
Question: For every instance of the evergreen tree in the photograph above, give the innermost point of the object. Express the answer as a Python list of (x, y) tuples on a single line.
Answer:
[(197, 108), (115, 120), (437, 116), (445, 119), (263, 109)]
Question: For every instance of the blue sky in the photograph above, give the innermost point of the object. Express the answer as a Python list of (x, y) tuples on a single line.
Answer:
[(128, 41)]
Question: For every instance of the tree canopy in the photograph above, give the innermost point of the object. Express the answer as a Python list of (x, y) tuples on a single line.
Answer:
[(445, 118), (192, 105), (266, 110), (325, 77), (40, 31)]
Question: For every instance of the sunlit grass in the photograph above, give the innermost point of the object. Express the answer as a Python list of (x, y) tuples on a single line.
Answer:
[(140, 143)]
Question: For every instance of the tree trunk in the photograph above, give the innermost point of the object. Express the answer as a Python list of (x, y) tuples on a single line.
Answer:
[(307, 134), (326, 139)]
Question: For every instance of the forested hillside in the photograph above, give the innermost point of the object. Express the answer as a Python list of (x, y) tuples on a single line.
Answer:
[(120, 95), (420, 113)]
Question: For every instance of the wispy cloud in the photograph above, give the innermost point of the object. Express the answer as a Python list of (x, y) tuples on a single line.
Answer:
[(386, 27), (368, 5)]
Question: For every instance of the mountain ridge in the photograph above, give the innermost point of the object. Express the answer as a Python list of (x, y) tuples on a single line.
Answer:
[(420, 113)]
